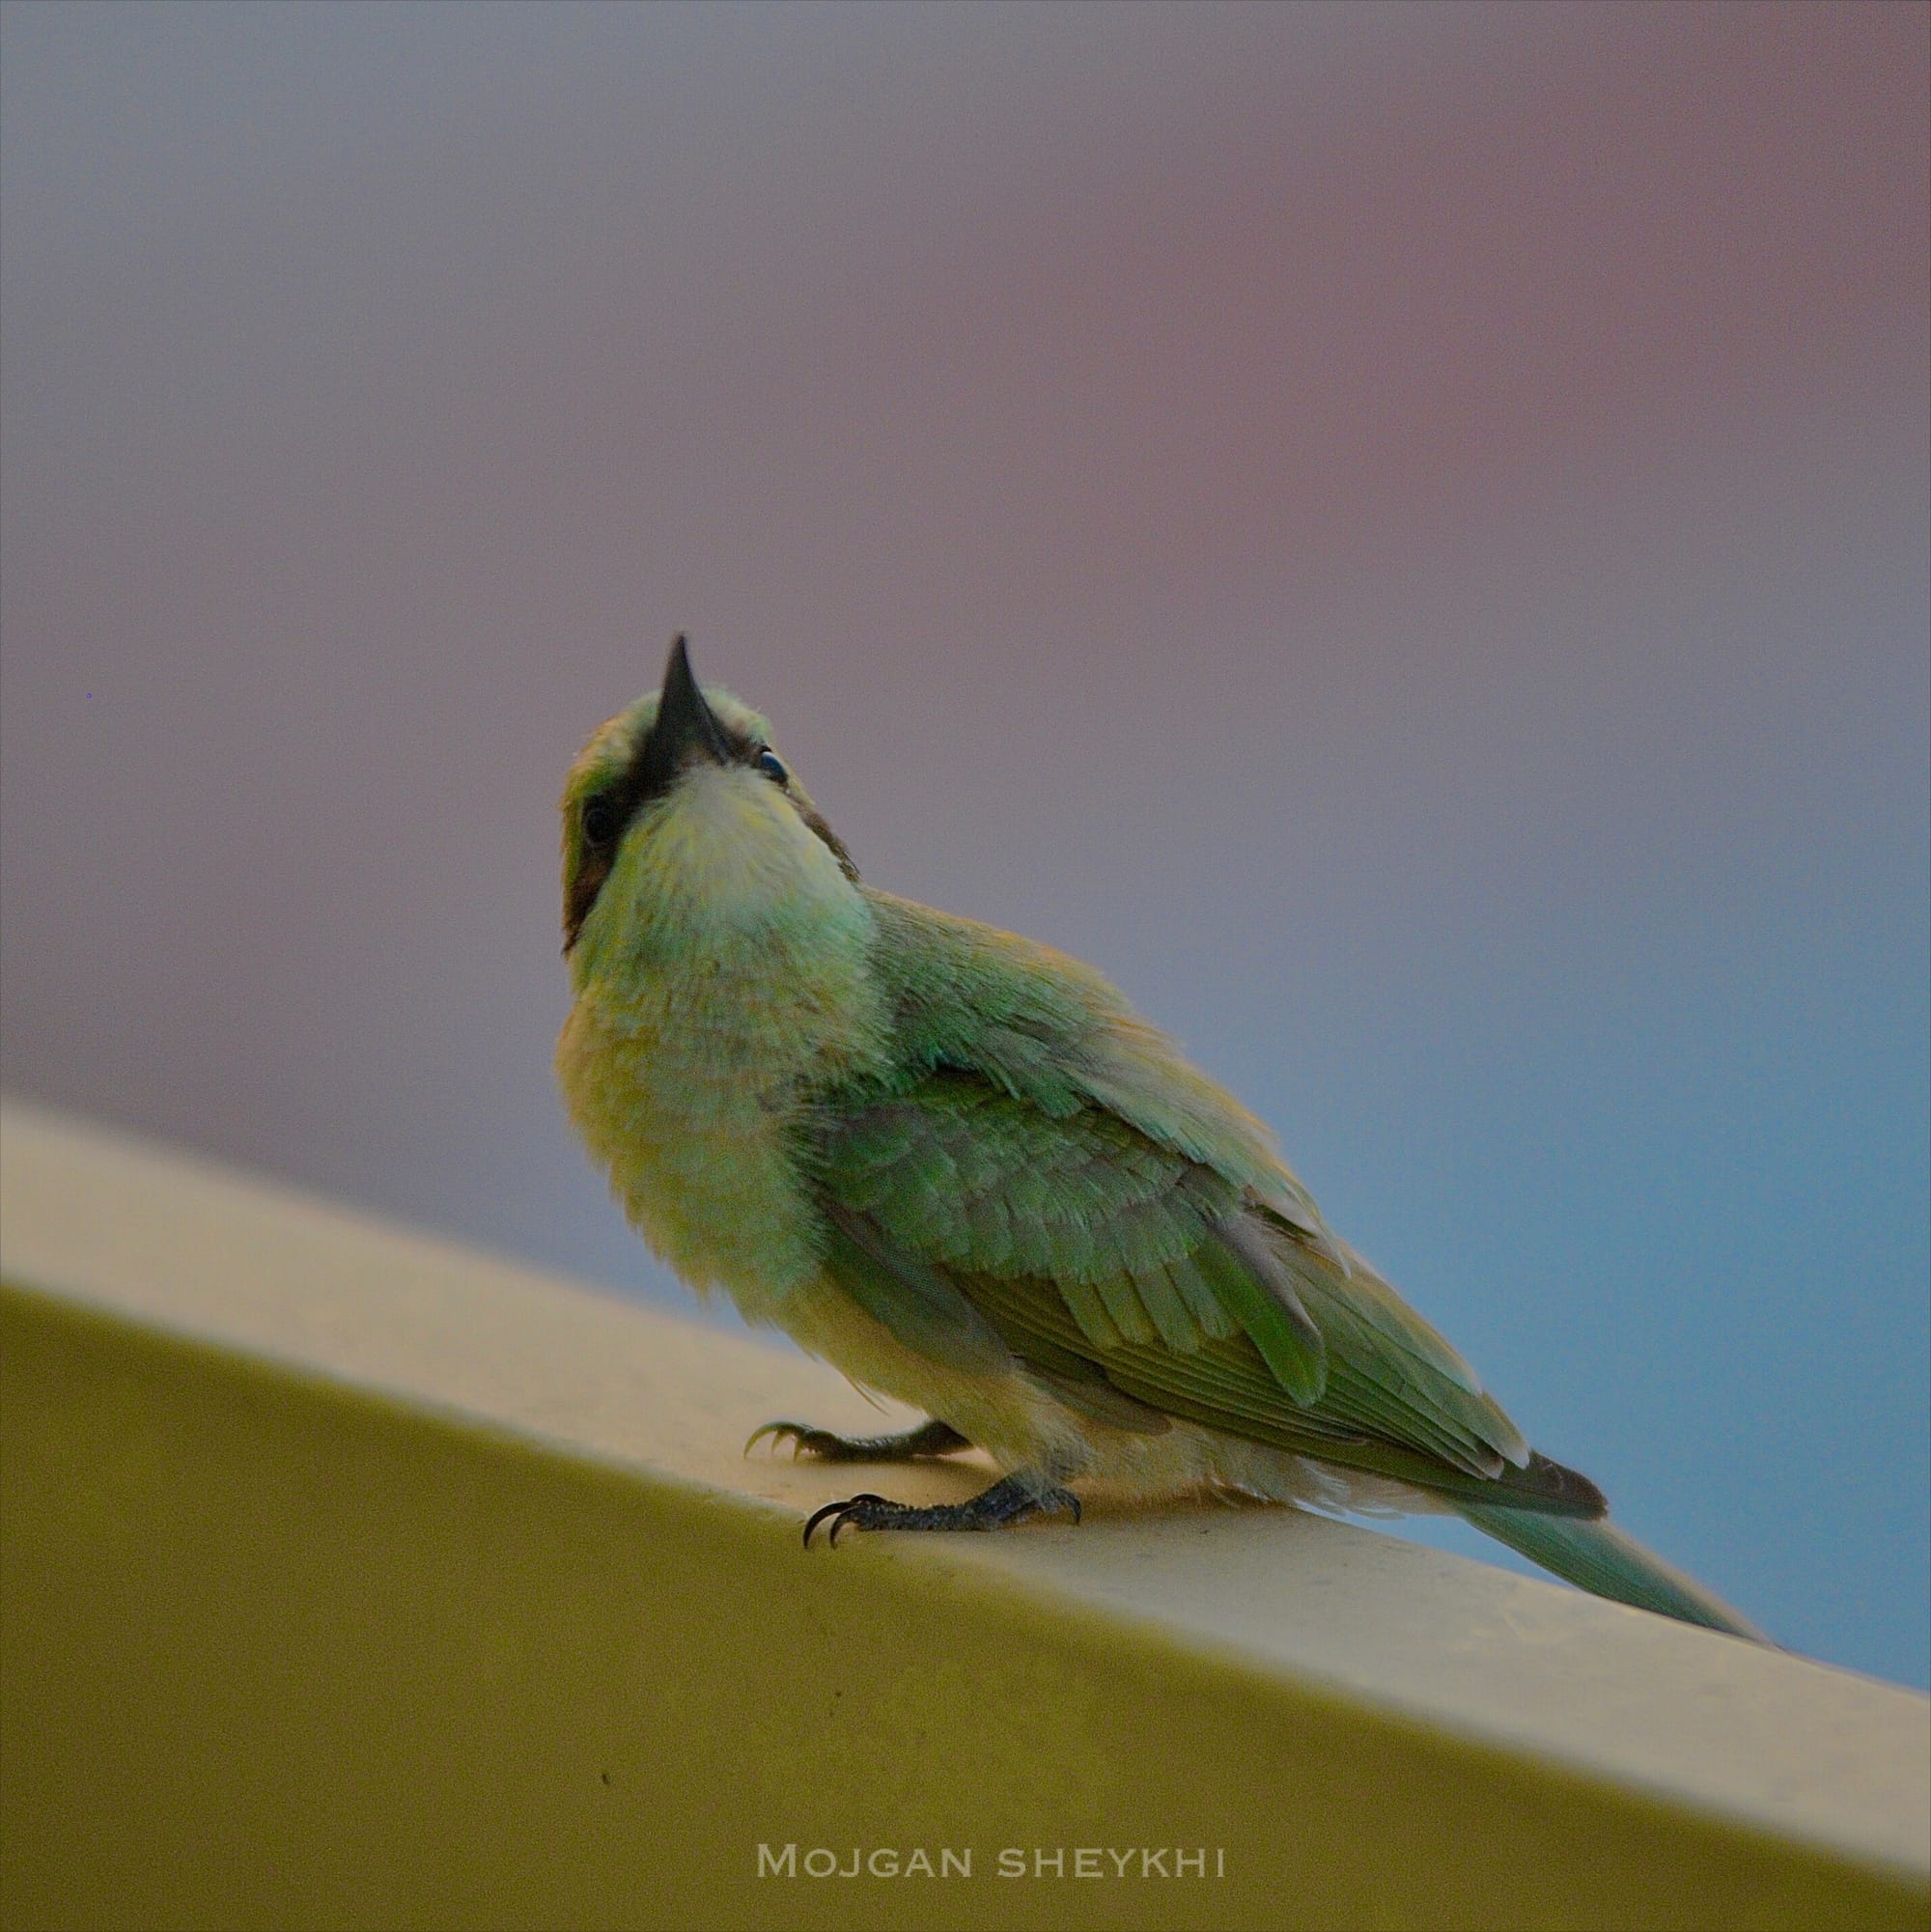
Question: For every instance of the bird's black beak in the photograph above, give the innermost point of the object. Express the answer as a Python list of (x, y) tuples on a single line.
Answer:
[(686, 727)]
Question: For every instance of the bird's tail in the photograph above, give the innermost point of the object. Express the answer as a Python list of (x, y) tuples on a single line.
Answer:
[(1594, 1555)]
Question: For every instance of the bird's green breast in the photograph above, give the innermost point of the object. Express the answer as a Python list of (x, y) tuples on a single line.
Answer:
[(691, 1066)]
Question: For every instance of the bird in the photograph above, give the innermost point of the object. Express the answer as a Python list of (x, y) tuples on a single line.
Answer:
[(959, 1166)]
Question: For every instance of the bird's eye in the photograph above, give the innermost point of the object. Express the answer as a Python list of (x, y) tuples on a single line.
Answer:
[(600, 821), (772, 766)]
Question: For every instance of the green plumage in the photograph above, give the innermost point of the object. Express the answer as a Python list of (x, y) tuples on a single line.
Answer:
[(1596, 1555), (961, 1166), (1145, 1237)]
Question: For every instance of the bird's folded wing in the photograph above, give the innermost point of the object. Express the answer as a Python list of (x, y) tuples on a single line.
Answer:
[(1132, 1278)]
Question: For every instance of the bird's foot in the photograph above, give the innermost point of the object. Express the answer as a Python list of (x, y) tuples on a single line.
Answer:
[(910, 1446), (1013, 1499)]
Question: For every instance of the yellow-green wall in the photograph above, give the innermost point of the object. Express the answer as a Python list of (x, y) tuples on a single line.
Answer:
[(279, 1653)]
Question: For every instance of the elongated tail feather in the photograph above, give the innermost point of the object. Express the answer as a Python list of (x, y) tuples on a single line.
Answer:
[(1596, 1555)]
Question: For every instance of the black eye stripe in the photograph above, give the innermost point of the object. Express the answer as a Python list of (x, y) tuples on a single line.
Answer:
[(604, 816)]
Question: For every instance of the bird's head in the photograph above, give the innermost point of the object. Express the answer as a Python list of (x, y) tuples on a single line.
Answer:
[(680, 822)]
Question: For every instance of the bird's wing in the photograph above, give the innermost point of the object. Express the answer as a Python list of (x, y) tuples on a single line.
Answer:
[(1043, 1175)]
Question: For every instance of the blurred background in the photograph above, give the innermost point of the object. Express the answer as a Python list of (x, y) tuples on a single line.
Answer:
[(1398, 532)]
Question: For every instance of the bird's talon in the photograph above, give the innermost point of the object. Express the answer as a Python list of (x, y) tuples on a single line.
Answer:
[(799, 1433), (849, 1514)]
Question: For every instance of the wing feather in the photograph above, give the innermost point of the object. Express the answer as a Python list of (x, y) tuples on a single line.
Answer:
[(1044, 1178)]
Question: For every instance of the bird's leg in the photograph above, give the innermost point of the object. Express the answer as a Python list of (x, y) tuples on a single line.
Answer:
[(1011, 1499), (909, 1445)]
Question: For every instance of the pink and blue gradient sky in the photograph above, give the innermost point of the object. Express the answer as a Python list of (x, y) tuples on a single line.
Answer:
[(1399, 532)]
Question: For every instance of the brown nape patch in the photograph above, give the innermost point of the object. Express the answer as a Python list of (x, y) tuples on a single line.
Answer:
[(815, 819), (583, 890)]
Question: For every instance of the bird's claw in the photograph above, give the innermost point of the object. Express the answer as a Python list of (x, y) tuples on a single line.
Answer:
[(854, 1509), (800, 1436)]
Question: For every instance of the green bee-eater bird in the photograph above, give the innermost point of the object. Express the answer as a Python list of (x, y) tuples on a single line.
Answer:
[(959, 1167)]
